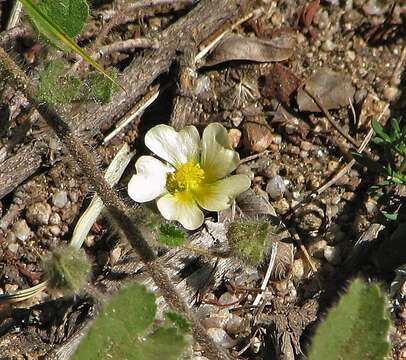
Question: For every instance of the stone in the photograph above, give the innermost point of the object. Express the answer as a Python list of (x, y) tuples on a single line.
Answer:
[(221, 338), (38, 213), (54, 219), (332, 254), (22, 230), (234, 135), (60, 198), (276, 187), (245, 170)]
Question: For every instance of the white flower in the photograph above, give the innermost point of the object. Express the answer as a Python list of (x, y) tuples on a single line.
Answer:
[(194, 175)]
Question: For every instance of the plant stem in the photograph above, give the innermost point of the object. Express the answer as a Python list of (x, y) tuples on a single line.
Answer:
[(114, 205)]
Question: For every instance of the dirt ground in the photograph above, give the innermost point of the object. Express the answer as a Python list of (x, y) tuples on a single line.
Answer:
[(289, 149)]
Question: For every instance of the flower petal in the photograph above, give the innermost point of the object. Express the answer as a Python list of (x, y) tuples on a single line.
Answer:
[(172, 146), (218, 158), (150, 180), (184, 210), (220, 194)]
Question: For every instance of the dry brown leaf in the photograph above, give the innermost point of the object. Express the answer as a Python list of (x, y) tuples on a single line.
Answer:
[(238, 47), (280, 83), (334, 90)]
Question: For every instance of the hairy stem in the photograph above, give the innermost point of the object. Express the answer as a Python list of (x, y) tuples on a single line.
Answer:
[(114, 205)]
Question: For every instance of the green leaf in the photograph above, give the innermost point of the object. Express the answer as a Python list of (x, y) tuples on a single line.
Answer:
[(70, 15), (380, 131), (165, 343), (393, 216), (179, 321), (102, 88), (128, 314), (357, 328), (66, 269), (249, 240), (369, 163), (396, 128), (55, 33), (171, 235), (54, 87)]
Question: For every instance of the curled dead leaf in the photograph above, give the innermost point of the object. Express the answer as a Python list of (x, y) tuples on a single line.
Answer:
[(309, 12), (238, 47), (334, 89)]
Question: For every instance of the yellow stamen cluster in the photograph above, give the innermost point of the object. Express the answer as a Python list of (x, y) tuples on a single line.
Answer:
[(187, 177)]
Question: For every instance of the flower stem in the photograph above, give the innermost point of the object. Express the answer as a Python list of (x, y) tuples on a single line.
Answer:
[(206, 252), (114, 205)]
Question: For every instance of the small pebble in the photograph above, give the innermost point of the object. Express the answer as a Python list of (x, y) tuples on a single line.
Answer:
[(313, 182), (328, 45), (10, 287), (22, 230), (13, 247), (390, 93), (11, 237), (55, 230), (306, 145), (245, 170), (234, 324), (228, 299), (90, 240), (371, 206), (60, 198), (234, 135), (281, 206), (298, 269), (332, 254), (332, 165), (54, 219), (276, 187), (38, 213), (221, 338), (74, 196), (316, 248), (256, 344)]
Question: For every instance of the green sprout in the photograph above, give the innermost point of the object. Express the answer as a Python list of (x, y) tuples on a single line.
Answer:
[(392, 143)]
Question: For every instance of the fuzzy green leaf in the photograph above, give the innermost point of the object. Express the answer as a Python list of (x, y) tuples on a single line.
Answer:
[(56, 20), (102, 88), (115, 331), (357, 328), (48, 27), (66, 269), (54, 87), (249, 240), (70, 15), (165, 343), (179, 321), (171, 235)]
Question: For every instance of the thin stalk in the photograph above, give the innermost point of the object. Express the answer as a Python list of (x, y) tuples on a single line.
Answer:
[(114, 205)]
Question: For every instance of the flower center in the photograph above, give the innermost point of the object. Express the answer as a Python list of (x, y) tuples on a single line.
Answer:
[(187, 177)]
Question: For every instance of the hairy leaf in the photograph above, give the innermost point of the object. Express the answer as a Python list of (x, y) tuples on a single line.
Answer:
[(54, 86), (101, 87), (123, 330), (129, 313), (357, 328), (171, 235), (49, 27), (70, 15)]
